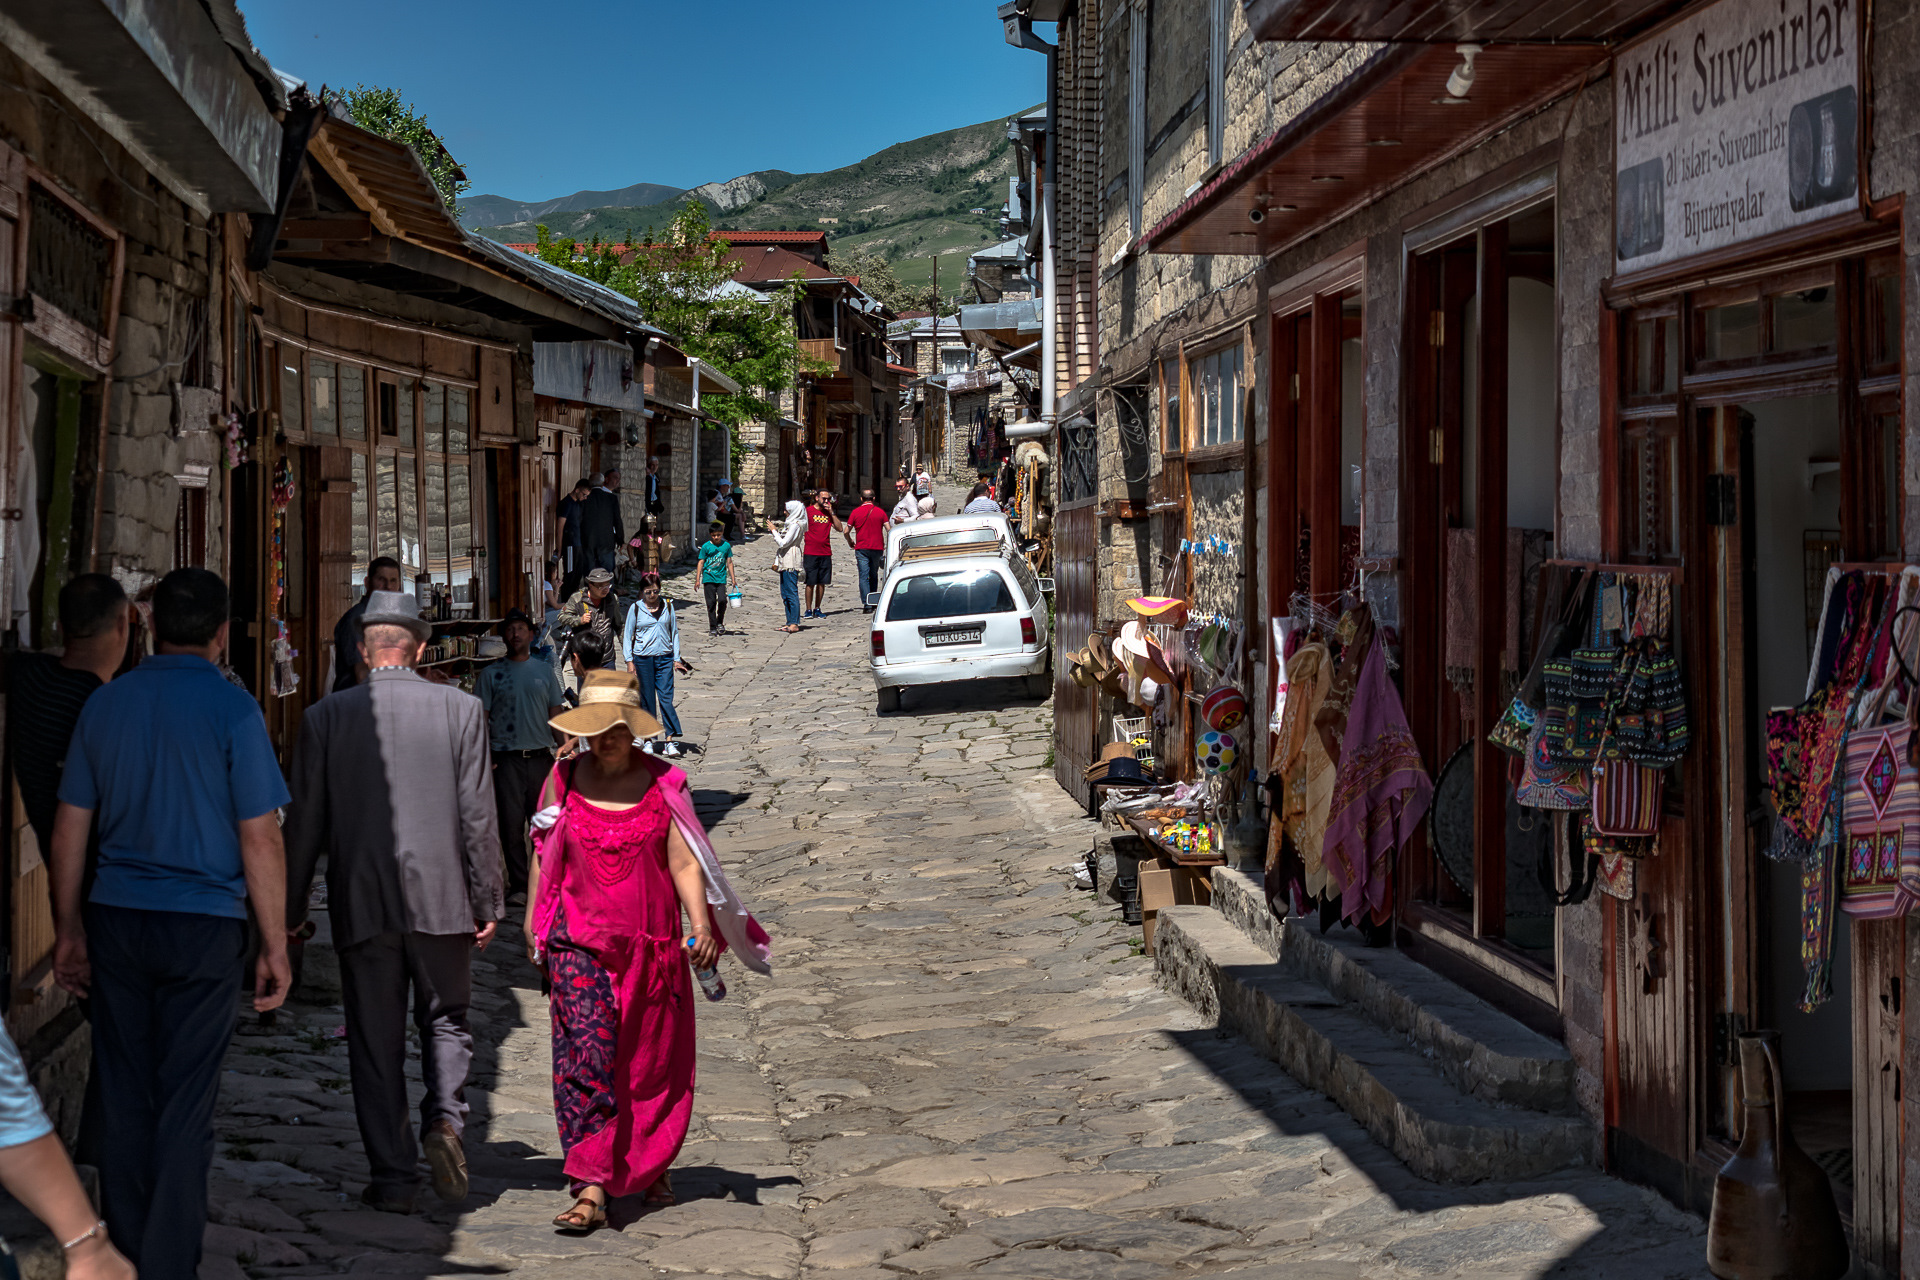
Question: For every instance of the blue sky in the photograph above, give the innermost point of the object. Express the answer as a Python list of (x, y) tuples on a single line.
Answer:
[(542, 100)]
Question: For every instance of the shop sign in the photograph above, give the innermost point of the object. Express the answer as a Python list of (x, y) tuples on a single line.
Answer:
[(1739, 120)]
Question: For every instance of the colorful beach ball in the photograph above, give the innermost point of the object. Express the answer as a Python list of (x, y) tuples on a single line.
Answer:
[(1216, 751), (1224, 708)]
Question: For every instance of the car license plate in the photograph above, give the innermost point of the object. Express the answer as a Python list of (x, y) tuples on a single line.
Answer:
[(969, 635)]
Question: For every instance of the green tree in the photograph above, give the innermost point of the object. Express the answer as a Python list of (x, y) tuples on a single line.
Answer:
[(878, 278), (379, 110), (677, 276)]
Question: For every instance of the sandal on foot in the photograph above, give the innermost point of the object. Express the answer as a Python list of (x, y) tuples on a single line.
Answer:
[(577, 1223), (660, 1194)]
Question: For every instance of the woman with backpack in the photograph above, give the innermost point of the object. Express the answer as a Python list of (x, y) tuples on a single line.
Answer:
[(650, 642)]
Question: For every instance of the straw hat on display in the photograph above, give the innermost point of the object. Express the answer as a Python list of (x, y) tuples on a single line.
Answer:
[(1140, 657), (1168, 609), (607, 698)]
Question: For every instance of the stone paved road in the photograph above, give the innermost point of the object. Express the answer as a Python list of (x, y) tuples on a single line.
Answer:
[(961, 1066)]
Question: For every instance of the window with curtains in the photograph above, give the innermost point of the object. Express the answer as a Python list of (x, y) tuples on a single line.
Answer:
[(1217, 413)]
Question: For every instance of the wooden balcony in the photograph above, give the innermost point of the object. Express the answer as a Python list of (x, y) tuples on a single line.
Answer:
[(823, 349)]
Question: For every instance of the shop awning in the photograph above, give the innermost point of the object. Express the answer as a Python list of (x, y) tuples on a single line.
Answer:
[(1390, 119), (1430, 22)]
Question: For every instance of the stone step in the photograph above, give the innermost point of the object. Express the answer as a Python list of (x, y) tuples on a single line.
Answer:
[(1391, 1086), (1479, 1049)]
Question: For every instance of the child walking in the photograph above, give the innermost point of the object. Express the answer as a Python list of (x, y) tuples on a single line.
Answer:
[(716, 575)]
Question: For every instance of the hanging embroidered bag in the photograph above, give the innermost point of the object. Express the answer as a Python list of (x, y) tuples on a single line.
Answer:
[(1546, 783), (1626, 799), (1880, 817)]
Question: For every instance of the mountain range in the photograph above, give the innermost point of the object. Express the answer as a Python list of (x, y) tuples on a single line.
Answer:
[(910, 202)]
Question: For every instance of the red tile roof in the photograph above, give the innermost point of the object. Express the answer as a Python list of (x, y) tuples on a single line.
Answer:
[(771, 237), (757, 262)]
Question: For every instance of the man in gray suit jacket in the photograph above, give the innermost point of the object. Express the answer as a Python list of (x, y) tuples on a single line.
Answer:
[(391, 781)]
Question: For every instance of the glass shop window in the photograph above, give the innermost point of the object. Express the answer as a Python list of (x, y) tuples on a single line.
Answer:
[(1170, 405), (1217, 396), (292, 419), (1730, 331), (353, 402), (1881, 351), (1654, 356), (324, 405)]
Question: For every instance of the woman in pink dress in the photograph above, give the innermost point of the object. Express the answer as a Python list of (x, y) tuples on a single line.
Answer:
[(622, 855)]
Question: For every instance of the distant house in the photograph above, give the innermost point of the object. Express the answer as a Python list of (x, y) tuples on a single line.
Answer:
[(836, 429)]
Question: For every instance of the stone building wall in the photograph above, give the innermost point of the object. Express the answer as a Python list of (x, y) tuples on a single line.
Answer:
[(172, 255)]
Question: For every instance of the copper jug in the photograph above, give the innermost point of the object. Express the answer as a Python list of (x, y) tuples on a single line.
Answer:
[(1773, 1212)]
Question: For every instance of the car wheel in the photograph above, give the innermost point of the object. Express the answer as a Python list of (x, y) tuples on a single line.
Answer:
[(888, 700), (1039, 686)]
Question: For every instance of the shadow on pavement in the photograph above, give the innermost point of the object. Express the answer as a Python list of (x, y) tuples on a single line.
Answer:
[(1638, 1234), (966, 695)]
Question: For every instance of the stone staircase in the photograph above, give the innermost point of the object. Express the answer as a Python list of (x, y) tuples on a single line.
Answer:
[(1458, 1090)]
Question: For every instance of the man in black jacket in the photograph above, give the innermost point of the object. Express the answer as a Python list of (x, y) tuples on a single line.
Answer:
[(602, 531)]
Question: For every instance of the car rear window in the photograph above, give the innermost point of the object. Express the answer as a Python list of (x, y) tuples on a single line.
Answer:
[(951, 594), (985, 540)]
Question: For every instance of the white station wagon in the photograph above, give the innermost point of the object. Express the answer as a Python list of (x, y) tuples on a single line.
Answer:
[(959, 603)]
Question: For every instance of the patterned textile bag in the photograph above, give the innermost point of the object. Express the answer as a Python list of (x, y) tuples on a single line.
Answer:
[(1626, 799), (1880, 817), (1547, 783), (1579, 691), (1804, 742), (1651, 727), (1515, 728)]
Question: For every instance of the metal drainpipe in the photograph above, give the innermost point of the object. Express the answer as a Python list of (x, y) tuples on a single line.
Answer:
[(1049, 323), (693, 486)]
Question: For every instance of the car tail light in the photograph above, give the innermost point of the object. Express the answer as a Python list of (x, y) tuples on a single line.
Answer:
[(879, 644), (1027, 635)]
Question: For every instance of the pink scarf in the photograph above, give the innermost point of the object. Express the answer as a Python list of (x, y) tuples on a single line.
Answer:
[(735, 926), (1379, 793)]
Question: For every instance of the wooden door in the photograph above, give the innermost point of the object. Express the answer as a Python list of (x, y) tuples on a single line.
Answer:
[(1076, 536), (329, 514)]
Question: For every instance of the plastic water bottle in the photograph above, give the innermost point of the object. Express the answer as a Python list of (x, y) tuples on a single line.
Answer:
[(710, 980)]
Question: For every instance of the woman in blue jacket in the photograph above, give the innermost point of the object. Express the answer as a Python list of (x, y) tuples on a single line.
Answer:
[(650, 642)]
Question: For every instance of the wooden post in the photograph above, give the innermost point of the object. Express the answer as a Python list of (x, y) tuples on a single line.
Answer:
[(1490, 547), (1322, 395)]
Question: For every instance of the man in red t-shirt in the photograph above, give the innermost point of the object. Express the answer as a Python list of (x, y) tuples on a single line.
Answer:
[(869, 544), (816, 553)]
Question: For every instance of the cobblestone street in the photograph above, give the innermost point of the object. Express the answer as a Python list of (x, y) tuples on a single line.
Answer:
[(962, 1064)]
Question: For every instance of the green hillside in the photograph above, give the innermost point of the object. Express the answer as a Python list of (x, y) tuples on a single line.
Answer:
[(909, 202)]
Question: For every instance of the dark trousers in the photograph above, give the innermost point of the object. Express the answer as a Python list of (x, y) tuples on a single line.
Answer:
[(716, 604), (166, 986), (376, 975), (871, 563), (655, 674), (517, 779)]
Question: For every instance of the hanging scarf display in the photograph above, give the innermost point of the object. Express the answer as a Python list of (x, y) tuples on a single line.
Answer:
[(1379, 794), (1803, 742), (1303, 760)]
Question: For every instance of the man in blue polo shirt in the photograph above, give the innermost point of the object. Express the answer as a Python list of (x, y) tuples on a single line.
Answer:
[(175, 763)]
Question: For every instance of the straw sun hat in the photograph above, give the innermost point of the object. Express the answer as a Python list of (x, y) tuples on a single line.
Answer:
[(607, 698)]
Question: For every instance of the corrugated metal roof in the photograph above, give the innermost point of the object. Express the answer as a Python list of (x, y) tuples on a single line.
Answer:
[(386, 179), (1022, 316)]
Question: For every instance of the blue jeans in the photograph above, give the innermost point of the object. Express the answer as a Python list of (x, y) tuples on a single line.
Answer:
[(655, 673), (871, 563), (790, 595)]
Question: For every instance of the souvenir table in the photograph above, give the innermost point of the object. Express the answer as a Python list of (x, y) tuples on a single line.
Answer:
[(1179, 877)]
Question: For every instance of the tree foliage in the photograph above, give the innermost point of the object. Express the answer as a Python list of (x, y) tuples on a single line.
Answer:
[(877, 278), (379, 110), (678, 277)]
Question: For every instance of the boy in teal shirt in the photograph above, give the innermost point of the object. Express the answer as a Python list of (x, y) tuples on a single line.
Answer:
[(716, 574)]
